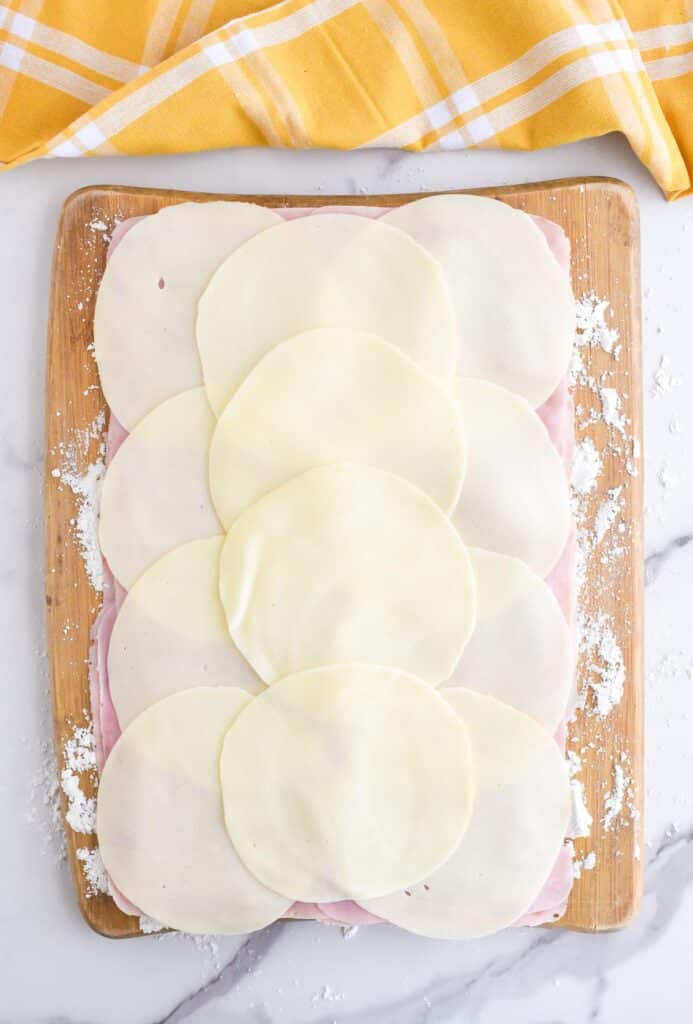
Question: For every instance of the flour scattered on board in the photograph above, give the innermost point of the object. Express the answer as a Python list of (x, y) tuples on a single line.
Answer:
[(607, 513), (605, 672), (85, 483), (79, 767), (594, 332), (619, 798), (590, 316), (613, 801), (94, 871), (148, 926), (587, 863), (587, 467), (602, 532), (611, 409), (580, 818)]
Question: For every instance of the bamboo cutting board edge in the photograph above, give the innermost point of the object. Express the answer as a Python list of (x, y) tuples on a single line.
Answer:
[(605, 257)]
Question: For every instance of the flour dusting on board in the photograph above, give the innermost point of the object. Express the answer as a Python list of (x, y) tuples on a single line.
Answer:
[(148, 926), (85, 484), (606, 673), (580, 818), (587, 467), (602, 529), (79, 766), (590, 317), (94, 871), (587, 863)]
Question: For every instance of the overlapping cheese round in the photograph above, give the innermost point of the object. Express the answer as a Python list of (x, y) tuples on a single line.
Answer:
[(171, 633), (515, 498), (160, 819), (515, 308), (144, 321), (335, 395), (332, 270), (521, 650), (346, 782), (347, 563), (517, 828), (156, 491)]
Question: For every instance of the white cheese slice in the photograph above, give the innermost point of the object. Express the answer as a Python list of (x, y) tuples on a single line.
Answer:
[(335, 395), (330, 270), (160, 820), (514, 304), (520, 817), (515, 499), (170, 633), (346, 563), (144, 321), (521, 650), (156, 491), (344, 782)]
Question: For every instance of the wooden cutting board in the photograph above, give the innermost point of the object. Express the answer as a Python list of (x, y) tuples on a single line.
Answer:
[(601, 219)]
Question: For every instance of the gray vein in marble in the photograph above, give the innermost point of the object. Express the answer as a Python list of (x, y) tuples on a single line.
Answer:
[(245, 959), (655, 562), (601, 986), (547, 953)]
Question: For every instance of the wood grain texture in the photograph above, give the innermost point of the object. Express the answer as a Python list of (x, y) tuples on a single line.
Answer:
[(600, 217)]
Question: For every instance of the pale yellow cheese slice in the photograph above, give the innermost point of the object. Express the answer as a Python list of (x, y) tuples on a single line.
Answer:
[(170, 633), (515, 499), (514, 304), (156, 491), (330, 270), (335, 395), (144, 321), (160, 819), (346, 782), (517, 828), (521, 650), (346, 563)]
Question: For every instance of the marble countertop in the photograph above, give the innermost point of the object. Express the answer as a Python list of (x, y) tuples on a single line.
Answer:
[(52, 968)]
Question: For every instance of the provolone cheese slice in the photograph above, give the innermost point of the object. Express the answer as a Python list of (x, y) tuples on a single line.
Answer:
[(515, 308), (515, 498), (160, 820), (520, 817), (344, 782), (171, 633), (335, 395), (521, 649), (347, 564), (330, 270), (144, 321), (156, 491)]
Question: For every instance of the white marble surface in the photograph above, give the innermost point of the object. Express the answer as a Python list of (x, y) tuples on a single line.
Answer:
[(53, 969)]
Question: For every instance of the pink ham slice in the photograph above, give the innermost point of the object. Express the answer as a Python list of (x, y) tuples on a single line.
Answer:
[(557, 415)]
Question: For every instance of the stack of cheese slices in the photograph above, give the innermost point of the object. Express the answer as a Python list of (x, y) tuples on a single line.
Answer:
[(338, 669)]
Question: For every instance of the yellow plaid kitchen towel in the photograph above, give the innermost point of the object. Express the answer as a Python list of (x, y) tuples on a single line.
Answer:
[(104, 77)]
